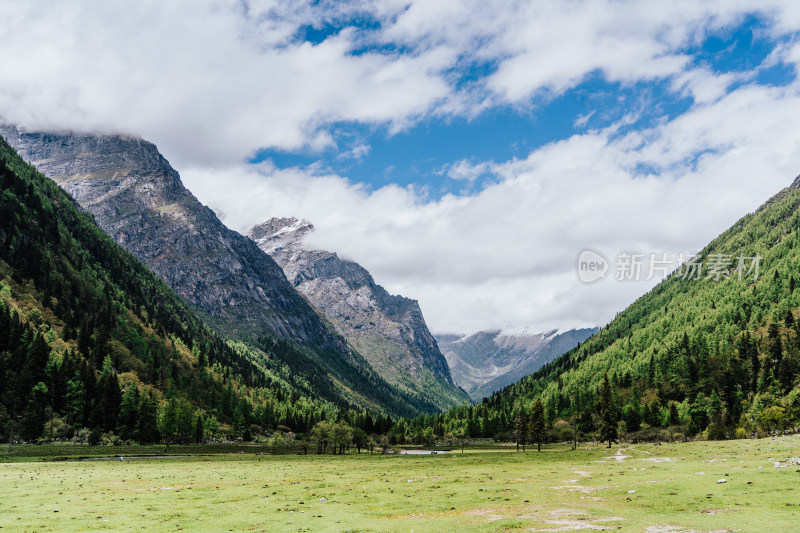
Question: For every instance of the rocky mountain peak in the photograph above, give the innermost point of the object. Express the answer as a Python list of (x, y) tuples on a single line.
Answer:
[(138, 199), (71, 153), (279, 233), (388, 330), (487, 361)]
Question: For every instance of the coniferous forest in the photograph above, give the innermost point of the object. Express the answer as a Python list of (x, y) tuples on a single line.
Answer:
[(94, 346), (716, 356)]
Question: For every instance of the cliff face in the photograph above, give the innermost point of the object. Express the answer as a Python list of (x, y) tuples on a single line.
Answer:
[(487, 361), (389, 331), (138, 199)]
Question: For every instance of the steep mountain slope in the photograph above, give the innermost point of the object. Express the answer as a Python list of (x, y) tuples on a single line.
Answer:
[(716, 352), (389, 331), (487, 361), (89, 337), (139, 200)]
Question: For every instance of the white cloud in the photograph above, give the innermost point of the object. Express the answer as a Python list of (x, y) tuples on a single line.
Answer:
[(466, 170), (359, 151), (211, 82), (505, 257), (203, 81)]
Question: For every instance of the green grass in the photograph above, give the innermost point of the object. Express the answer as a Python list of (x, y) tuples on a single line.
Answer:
[(480, 490)]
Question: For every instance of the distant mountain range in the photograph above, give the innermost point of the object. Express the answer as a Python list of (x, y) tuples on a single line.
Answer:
[(487, 361), (713, 350), (389, 331)]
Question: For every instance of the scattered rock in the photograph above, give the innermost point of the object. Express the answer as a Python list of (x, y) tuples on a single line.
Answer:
[(722, 480)]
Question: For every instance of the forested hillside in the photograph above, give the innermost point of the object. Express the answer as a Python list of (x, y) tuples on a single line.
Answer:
[(716, 356), (93, 344), (388, 330), (139, 200)]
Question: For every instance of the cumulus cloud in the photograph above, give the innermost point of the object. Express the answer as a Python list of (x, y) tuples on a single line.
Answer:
[(213, 82), (206, 81), (506, 256), (465, 170), (357, 152)]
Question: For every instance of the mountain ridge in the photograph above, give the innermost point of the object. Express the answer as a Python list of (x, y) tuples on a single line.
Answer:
[(139, 200), (712, 356), (487, 361), (388, 330)]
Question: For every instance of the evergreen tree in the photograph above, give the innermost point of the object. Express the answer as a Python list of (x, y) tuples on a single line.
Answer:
[(147, 425), (608, 413), (76, 401), (199, 434), (674, 419), (110, 397), (538, 432), (520, 427), (749, 352), (632, 417), (716, 428), (34, 416), (129, 411), (775, 348), (169, 420), (698, 415)]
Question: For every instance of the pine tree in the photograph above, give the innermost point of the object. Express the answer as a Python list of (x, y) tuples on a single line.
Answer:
[(608, 413), (198, 430), (716, 429), (129, 411), (775, 348), (520, 427), (147, 425), (34, 416), (169, 419), (538, 433), (674, 419), (76, 401), (110, 397)]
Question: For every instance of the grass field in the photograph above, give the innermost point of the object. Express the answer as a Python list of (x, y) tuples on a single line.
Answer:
[(668, 488)]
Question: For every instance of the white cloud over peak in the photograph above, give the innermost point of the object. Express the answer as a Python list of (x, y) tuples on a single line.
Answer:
[(505, 256), (213, 82)]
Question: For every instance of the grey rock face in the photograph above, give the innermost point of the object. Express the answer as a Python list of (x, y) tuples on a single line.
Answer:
[(389, 331), (487, 361), (138, 198)]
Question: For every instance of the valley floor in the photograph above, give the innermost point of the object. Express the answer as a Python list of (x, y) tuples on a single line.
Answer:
[(658, 489)]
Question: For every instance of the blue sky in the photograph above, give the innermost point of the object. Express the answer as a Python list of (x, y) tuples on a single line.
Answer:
[(421, 155), (464, 151)]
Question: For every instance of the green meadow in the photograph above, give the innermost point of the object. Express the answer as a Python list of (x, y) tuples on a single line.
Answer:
[(658, 489)]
